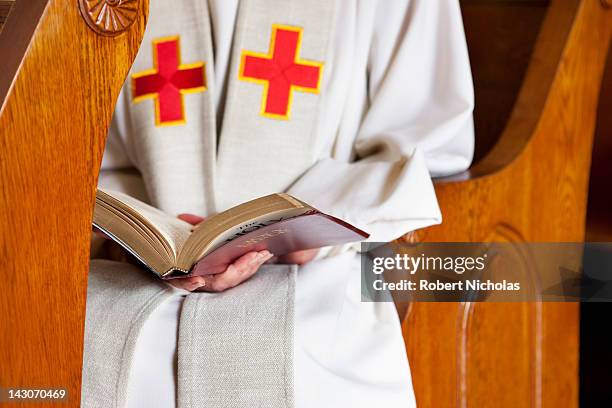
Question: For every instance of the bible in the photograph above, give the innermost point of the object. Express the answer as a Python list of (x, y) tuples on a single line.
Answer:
[(172, 248)]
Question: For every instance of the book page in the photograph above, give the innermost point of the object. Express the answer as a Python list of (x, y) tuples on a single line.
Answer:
[(170, 229), (131, 235), (222, 228)]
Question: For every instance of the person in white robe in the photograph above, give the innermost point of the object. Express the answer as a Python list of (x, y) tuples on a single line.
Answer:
[(392, 108)]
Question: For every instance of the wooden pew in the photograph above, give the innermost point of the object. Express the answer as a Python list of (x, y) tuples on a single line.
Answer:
[(59, 79), (529, 185)]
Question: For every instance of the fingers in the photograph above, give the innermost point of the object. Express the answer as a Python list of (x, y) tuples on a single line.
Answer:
[(242, 269), (191, 218), (189, 284), (299, 257), (239, 271)]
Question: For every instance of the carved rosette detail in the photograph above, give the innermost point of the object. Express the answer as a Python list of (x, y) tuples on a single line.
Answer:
[(109, 17)]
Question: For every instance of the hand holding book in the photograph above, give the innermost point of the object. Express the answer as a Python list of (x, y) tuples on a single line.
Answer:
[(240, 270), (236, 273), (173, 248)]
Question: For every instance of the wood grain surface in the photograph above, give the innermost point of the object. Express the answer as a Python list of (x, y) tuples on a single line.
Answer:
[(59, 81), (532, 186)]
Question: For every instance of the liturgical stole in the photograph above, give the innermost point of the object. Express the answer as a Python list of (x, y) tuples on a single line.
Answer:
[(264, 138), (192, 162)]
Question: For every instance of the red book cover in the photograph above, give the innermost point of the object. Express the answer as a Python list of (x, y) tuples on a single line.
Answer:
[(311, 230)]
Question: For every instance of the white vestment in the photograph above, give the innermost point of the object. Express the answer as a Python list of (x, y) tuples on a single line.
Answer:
[(396, 107)]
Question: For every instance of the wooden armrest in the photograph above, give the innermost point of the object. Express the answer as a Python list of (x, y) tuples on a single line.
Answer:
[(532, 186), (59, 81)]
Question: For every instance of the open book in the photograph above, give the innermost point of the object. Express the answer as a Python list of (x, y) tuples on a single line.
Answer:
[(172, 248)]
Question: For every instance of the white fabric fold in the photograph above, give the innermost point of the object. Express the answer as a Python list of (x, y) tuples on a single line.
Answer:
[(235, 348), (417, 122), (387, 199), (120, 298)]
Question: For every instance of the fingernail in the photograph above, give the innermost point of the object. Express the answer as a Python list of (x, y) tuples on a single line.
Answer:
[(199, 283), (264, 253)]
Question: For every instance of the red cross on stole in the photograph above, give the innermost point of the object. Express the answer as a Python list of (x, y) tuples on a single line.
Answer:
[(281, 71), (168, 81)]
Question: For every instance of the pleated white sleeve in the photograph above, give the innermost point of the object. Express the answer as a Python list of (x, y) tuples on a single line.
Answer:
[(418, 123)]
